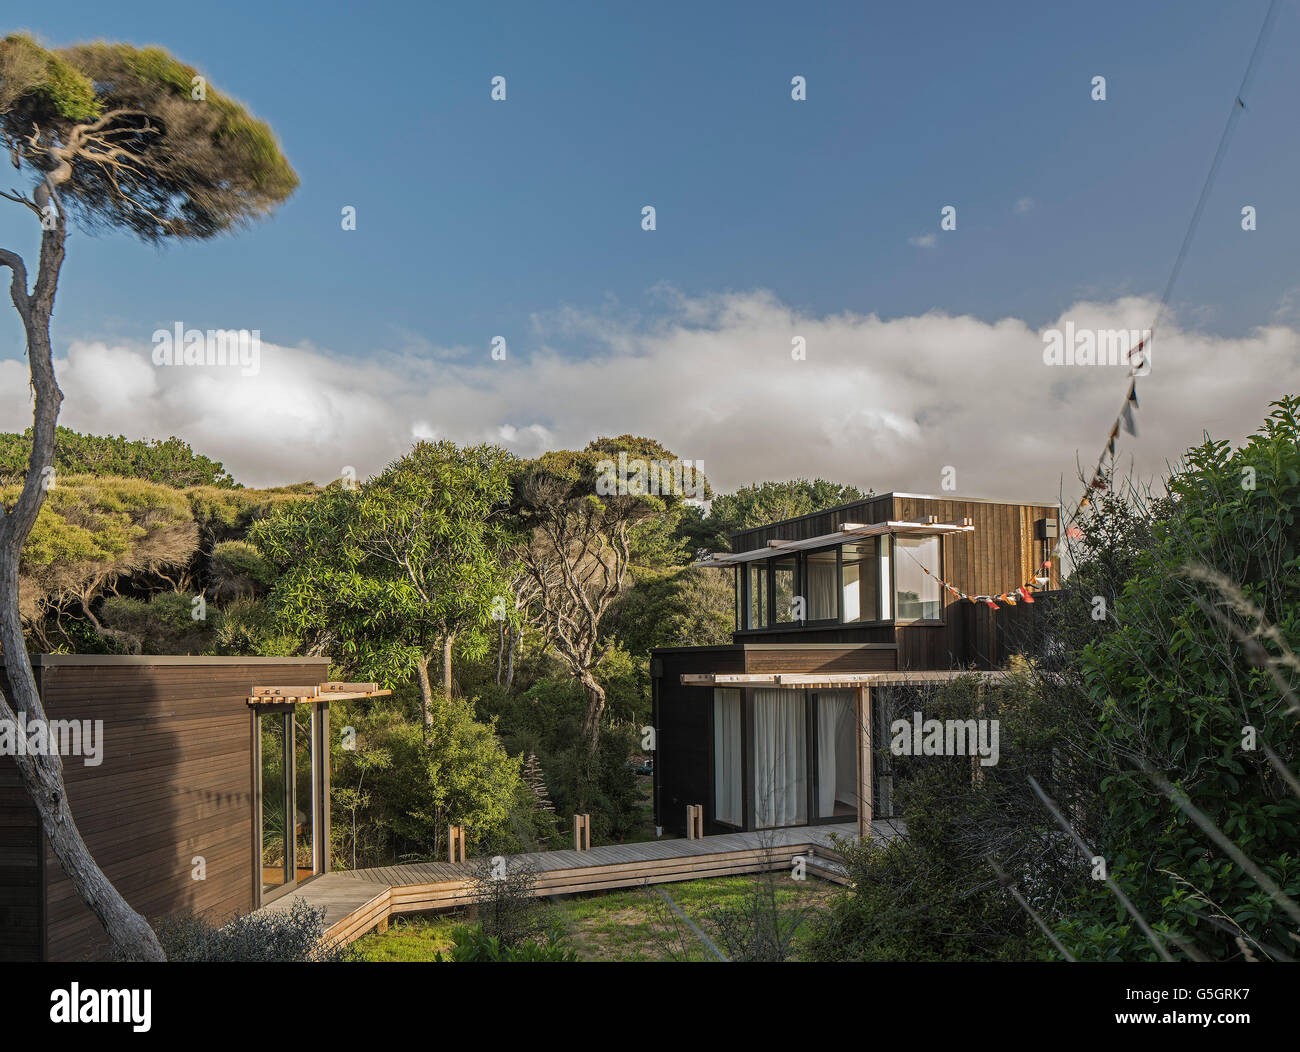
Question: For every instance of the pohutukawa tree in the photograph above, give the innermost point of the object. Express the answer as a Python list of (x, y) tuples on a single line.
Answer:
[(116, 138)]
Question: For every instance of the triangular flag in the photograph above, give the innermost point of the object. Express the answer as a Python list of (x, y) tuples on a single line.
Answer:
[(1133, 393), (1127, 416), (1025, 595)]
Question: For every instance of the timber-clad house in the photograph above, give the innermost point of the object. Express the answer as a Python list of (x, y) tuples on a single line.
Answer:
[(210, 793), (778, 728)]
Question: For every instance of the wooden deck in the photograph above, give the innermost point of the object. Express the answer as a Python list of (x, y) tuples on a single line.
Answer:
[(355, 901)]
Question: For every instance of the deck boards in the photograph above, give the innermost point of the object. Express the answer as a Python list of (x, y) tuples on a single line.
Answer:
[(356, 901)]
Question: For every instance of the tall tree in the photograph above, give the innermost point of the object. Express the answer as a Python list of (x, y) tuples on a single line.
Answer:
[(387, 579), (583, 538), (118, 137)]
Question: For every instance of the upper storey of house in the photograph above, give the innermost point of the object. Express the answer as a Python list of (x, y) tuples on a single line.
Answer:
[(855, 572)]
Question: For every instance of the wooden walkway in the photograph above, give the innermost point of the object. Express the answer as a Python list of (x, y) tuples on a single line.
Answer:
[(355, 901)]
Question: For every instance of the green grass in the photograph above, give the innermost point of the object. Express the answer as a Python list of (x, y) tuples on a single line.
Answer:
[(415, 938), (632, 924)]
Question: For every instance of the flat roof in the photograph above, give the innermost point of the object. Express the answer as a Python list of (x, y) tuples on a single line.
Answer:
[(889, 496), (895, 678), (55, 660)]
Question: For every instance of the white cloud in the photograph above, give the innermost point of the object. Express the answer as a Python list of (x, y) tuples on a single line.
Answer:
[(1025, 204), (922, 240), (881, 403)]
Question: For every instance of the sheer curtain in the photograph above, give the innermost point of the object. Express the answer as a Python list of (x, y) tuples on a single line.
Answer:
[(837, 765), (780, 771), (821, 586), (726, 757)]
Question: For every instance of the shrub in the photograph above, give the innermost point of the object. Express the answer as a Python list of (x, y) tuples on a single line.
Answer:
[(473, 944), (274, 937)]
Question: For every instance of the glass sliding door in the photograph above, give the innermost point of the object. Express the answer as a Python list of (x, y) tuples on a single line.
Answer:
[(837, 762), (728, 804), (290, 793), (305, 791), (780, 757), (274, 775)]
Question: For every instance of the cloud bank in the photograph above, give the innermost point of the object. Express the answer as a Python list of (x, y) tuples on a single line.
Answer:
[(878, 403)]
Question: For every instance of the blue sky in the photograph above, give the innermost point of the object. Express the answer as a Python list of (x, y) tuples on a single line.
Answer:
[(478, 218)]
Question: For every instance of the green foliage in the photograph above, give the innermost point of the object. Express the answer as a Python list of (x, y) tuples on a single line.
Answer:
[(929, 893), (92, 531), (170, 461), (135, 140), (676, 608), (416, 788), (43, 84), (1175, 688), (162, 624), (382, 575), (762, 502), (472, 944), (240, 569)]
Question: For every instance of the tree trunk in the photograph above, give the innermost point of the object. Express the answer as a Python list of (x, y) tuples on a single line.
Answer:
[(501, 649), (43, 775), (515, 636), (426, 692), (595, 709), (446, 663)]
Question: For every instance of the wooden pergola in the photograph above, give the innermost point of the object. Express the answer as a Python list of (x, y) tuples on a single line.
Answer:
[(333, 690), (846, 532), (860, 683)]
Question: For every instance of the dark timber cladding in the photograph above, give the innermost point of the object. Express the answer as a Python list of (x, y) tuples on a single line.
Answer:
[(175, 783), (984, 548)]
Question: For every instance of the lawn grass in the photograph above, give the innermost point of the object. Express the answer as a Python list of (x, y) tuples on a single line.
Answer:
[(415, 938), (630, 924)]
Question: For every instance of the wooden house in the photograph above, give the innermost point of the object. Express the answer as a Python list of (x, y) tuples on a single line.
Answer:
[(199, 784), (776, 728)]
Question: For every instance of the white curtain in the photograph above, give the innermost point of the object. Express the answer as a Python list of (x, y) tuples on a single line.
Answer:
[(780, 772), (726, 757), (837, 765), (821, 589)]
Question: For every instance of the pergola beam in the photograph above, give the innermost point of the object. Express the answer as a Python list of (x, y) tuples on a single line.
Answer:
[(848, 530)]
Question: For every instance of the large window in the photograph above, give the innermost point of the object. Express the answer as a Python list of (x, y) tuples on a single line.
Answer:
[(823, 593), (728, 805), (867, 580), (756, 599), (785, 586), (780, 750), (275, 799), (916, 593), (858, 581)]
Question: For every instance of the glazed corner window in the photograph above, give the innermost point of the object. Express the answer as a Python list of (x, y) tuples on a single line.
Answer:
[(785, 587), (735, 580), (821, 589), (916, 593), (756, 595), (859, 582)]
